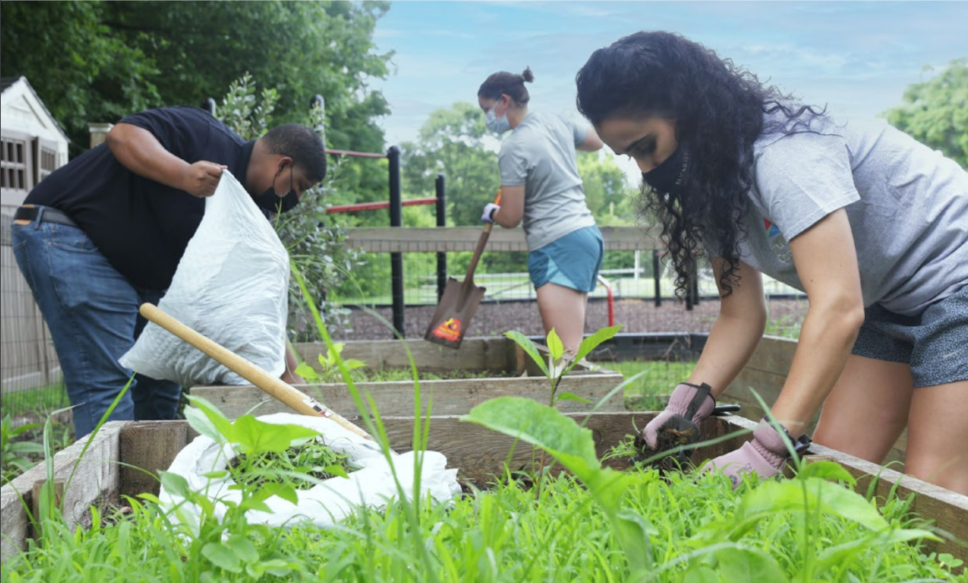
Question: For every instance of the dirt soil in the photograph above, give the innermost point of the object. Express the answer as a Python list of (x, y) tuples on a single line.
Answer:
[(636, 316)]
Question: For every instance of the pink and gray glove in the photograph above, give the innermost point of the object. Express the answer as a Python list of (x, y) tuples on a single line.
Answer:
[(679, 424), (489, 210), (765, 454)]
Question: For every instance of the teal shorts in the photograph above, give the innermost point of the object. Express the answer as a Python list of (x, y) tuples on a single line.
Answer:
[(572, 261)]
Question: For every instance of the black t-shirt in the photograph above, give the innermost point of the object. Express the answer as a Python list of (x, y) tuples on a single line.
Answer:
[(141, 226)]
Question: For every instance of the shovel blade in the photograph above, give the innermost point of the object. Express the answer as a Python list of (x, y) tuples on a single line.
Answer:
[(453, 314)]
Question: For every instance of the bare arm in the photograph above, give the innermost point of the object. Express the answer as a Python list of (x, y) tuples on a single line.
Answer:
[(512, 207), (140, 152), (292, 362), (591, 143), (736, 332), (826, 262)]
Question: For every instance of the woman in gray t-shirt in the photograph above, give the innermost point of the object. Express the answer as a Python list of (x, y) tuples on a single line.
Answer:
[(871, 224), (540, 187)]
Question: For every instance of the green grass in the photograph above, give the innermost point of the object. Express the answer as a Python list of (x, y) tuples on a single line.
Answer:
[(502, 534), (36, 402)]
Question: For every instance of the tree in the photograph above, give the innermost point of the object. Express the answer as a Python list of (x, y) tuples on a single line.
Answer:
[(935, 112), (97, 61)]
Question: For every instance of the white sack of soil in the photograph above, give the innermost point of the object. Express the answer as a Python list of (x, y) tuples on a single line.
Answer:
[(326, 503), (232, 286)]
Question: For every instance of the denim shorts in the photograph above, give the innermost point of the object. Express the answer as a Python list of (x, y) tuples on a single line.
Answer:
[(572, 261), (934, 343)]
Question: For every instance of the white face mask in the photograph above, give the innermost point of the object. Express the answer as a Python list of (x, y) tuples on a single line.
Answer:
[(496, 124)]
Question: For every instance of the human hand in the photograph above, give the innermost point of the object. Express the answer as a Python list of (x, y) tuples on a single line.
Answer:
[(292, 378), (765, 455), (679, 423), (489, 210), (201, 178)]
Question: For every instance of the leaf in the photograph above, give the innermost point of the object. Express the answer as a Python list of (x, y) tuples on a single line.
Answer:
[(217, 419), (566, 396), (284, 491), (525, 343), (175, 484), (555, 346), (258, 436), (243, 548), (336, 470), (200, 423), (221, 556), (592, 342), (307, 372), (699, 573), (745, 564), (841, 554), (827, 470)]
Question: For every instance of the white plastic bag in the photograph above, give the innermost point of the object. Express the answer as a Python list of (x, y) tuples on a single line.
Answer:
[(232, 286), (324, 504)]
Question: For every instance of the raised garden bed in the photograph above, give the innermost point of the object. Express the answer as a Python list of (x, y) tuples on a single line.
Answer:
[(499, 365), (112, 467), (765, 373)]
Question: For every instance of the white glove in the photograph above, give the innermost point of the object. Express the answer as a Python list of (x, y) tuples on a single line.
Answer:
[(489, 210)]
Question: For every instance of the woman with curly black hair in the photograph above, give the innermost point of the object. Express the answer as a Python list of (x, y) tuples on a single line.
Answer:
[(540, 186), (871, 224)]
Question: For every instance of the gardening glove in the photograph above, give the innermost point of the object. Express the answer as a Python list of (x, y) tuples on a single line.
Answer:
[(679, 423), (489, 210), (765, 454)]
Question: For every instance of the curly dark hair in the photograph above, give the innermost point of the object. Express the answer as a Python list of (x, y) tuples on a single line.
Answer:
[(719, 111), (504, 83)]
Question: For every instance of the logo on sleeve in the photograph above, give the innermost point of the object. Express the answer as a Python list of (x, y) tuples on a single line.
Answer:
[(777, 242)]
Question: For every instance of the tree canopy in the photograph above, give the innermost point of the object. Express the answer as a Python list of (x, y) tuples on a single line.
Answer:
[(935, 112), (97, 61)]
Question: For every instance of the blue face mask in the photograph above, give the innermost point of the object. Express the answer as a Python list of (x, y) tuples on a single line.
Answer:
[(496, 124)]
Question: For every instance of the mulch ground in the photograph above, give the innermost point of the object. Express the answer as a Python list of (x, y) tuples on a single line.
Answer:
[(491, 319)]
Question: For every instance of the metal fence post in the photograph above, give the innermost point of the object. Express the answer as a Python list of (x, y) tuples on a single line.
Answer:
[(396, 259), (656, 274), (441, 187), (209, 106)]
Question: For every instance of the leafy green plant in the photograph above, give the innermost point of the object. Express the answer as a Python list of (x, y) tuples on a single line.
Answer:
[(329, 369), (14, 454), (286, 454), (559, 363)]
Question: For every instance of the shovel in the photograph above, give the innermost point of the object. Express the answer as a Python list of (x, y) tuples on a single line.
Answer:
[(278, 388), (460, 300)]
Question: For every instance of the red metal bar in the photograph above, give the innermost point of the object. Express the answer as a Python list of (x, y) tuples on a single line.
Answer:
[(372, 206), (355, 154), (611, 300)]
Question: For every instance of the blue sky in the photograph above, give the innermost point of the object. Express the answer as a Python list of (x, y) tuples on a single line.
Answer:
[(857, 57)]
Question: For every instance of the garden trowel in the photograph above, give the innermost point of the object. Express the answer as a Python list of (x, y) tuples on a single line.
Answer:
[(459, 301)]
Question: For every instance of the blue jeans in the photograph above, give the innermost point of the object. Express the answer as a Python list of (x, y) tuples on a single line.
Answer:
[(92, 313)]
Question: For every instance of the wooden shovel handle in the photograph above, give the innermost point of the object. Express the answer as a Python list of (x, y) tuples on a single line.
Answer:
[(479, 250), (278, 388)]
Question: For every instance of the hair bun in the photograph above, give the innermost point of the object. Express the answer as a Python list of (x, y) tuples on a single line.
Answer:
[(528, 76)]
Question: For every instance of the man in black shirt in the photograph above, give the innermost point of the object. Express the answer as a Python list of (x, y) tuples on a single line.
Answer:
[(105, 233)]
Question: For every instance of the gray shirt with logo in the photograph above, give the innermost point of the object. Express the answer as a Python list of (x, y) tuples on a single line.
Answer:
[(907, 206), (540, 155)]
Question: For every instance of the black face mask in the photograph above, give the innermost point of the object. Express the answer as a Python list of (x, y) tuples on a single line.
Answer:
[(667, 177), (273, 203)]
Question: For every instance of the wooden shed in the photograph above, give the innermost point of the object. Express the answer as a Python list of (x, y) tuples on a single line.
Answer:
[(33, 144)]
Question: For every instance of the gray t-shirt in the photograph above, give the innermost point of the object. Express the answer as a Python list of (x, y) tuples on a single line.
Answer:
[(540, 155), (907, 206)]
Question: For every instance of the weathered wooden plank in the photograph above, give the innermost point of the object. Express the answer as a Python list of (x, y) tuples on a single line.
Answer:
[(154, 444), (475, 354), (449, 239), (947, 509), (95, 483), (450, 397), (774, 355)]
